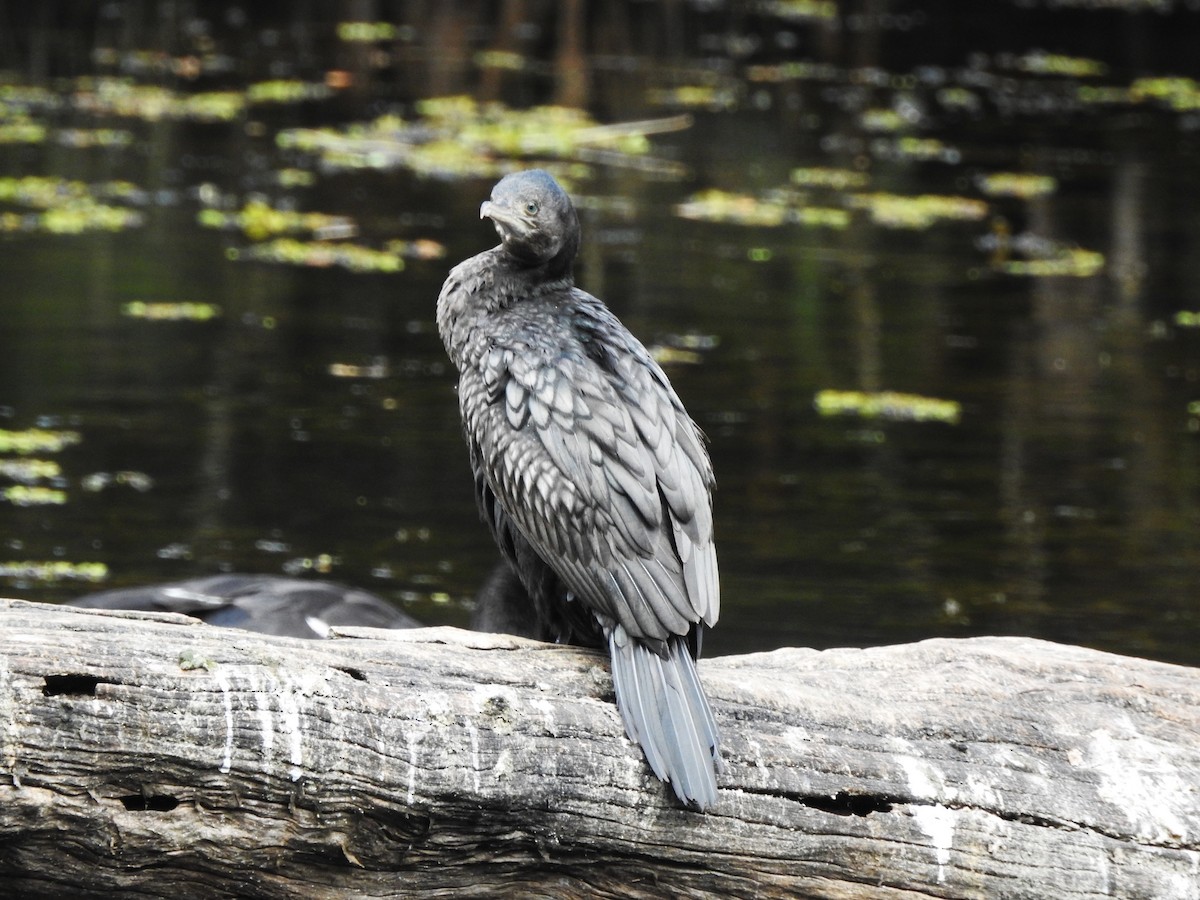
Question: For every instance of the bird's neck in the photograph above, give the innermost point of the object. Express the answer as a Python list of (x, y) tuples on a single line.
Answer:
[(515, 280)]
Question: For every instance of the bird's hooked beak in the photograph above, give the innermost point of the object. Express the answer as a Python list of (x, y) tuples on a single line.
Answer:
[(507, 224)]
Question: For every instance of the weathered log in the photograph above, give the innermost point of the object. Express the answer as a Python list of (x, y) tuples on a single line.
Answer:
[(148, 755)]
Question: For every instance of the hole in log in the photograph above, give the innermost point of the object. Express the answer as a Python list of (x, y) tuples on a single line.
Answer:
[(140, 803), (72, 685), (356, 674), (844, 804)]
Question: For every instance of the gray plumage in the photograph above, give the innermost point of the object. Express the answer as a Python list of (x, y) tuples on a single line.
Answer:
[(589, 472)]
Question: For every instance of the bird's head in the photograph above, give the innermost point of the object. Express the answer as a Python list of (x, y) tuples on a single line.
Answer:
[(535, 219)]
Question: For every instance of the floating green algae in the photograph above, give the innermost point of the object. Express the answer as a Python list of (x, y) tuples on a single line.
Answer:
[(33, 495), (916, 149), (883, 120), (170, 311), (1017, 184), (1039, 62), (458, 137), (292, 177), (918, 212), (285, 91), (712, 97), (29, 471), (769, 211), (22, 131), (93, 137), (887, 405), (1069, 262), (366, 32), (37, 440), (53, 571), (70, 207), (835, 179), (322, 255), (800, 10), (1180, 94), (125, 98), (1187, 319), (259, 220)]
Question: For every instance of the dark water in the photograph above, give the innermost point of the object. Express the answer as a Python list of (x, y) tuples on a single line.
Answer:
[(1064, 503)]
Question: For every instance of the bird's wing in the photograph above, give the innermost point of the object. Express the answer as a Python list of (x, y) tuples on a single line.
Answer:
[(591, 453)]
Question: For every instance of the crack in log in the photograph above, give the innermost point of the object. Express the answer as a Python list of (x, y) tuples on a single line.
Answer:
[(151, 803), (842, 803), (846, 803), (72, 685)]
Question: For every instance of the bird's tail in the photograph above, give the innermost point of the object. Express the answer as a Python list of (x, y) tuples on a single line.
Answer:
[(665, 711)]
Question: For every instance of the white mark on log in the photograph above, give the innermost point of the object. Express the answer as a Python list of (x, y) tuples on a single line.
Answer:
[(9, 718), (412, 738), (546, 708), (266, 726), (227, 757), (290, 696), (924, 781), (474, 732), (503, 767), (1138, 777), (797, 737), (938, 824)]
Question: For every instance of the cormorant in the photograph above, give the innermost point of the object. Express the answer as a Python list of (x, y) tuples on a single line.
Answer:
[(268, 604), (594, 480)]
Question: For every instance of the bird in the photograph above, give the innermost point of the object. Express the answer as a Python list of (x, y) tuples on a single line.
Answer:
[(267, 604), (593, 479)]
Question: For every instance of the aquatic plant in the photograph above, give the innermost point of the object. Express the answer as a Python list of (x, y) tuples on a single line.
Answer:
[(1017, 184), (918, 212), (800, 10), (883, 120), (1181, 94), (887, 405), (712, 97), (375, 370), (166, 311), (284, 91), (70, 207), (37, 440), (772, 210), (1070, 262), (259, 220), (33, 495), (93, 137), (1187, 319), (916, 149), (29, 471), (22, 131), (365, 32), (125, 98), (458, 137), (55, 570), (1039, 62), (322, 255), (835, 179)]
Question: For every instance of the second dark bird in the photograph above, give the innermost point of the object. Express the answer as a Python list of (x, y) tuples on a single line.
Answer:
[(589, 472)]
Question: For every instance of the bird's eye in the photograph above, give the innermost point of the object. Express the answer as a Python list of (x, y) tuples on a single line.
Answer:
[(531, 207)]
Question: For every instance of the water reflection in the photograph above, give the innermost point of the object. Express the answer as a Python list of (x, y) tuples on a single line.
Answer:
[(312, 426)]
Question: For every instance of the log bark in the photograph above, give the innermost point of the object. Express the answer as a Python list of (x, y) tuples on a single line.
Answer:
[(149, 755)]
